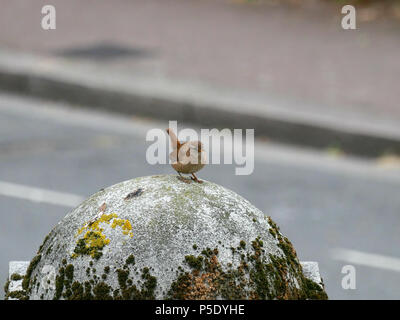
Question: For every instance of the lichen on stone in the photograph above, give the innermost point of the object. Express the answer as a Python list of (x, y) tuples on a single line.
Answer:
[(258, 276), (32, 266), (97, 289), (94, 239), (191, 241), (130, 260), (16, 277)]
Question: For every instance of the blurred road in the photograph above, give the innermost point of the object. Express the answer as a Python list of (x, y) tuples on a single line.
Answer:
[(321, 203), (298, 55)]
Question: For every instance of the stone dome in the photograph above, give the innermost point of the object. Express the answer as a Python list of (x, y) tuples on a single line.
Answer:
[(158, 237)]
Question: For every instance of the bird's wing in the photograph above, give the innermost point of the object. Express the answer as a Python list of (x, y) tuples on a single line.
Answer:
[(188, 152), (174, 155)]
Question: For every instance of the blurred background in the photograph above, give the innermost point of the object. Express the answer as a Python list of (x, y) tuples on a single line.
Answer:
[(76, 103)]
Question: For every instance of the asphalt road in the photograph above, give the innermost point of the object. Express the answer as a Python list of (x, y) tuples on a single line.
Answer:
[(326, 206)]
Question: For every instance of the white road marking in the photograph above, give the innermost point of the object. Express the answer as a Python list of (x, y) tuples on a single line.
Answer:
[(65, 114), (366, 259), (39, 195)]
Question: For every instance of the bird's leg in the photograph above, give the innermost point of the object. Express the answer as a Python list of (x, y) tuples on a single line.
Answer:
[(182, 178), (195, 178)]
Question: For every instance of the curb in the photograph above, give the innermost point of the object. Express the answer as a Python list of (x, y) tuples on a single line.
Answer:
[(57, 79)]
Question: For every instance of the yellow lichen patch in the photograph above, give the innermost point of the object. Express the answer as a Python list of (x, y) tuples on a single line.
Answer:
[(94, 240), (125, 226), (105, 218)]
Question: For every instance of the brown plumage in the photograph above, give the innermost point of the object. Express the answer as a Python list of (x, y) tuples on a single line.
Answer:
[(188, 157)]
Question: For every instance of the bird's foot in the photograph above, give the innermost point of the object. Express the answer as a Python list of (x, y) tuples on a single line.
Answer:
[(194, 178), (183, 179)]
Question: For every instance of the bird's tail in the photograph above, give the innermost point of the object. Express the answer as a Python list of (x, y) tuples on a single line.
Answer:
[(174, 140)]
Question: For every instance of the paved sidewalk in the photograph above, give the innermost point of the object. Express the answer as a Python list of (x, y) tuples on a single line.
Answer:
[(283, 64)]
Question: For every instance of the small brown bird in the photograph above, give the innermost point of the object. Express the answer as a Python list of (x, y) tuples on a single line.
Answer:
[(188, 157)]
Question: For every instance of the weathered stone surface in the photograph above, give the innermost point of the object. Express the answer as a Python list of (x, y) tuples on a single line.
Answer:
[(158, 237), (16, 272), (311, 271)]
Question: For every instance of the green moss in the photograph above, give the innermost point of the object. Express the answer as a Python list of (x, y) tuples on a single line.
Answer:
[(257, 276), (44, 243), (289, 251), (69, 272), (49, 249), (90, 290), (254, 275), (313, 290), (77, 291), (20, 295), (87, 291), (207, 252), (130, 260), (130, 291), (194, 262), (32, 266), (178, 289), (102, 291), (68, 293), (122, 277), (59, 283), (7, 284), (16, 277), (92, 244), (273, 225), (149, 285)]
